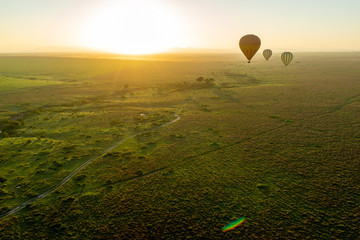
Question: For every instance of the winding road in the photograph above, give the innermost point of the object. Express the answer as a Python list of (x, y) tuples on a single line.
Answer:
[(68, 177)]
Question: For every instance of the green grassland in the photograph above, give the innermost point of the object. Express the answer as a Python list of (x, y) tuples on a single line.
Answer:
[(278, 145)]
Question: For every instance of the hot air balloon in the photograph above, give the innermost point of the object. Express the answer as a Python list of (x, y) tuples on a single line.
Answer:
[(249, 45), (267, 54), (286, 57)]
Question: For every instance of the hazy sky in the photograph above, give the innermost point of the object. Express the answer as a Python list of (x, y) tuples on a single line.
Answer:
[(302, 25)]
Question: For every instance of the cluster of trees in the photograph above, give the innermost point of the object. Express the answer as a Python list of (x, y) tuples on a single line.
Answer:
[(207, 81), (201, 82)]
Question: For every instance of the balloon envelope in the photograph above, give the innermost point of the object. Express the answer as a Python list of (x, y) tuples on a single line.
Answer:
[(286, 57), (267, 54), (249, 45)]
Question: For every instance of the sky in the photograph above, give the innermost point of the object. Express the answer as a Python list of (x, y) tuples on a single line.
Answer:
[(145, 26)]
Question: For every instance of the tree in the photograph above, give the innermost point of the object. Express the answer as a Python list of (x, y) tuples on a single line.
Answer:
[(200, 79), (209, 81)]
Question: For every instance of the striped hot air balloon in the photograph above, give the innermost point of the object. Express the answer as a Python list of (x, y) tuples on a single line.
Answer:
[(286, 57), (249, 45), (267, 54)]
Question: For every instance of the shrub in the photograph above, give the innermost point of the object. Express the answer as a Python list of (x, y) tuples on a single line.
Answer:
[(8, 127), (80, 177), (2, 179)]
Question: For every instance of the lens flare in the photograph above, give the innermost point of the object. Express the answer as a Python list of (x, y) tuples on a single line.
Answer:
[(233, 224)]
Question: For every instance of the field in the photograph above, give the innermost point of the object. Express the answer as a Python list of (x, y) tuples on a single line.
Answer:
[(177, 146)]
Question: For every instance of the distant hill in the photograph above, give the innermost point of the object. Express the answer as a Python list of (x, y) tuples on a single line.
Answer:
[(86, 52), (67, 49), (200, 50)]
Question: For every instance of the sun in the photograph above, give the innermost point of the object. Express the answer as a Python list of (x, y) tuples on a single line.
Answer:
[(134, 27)]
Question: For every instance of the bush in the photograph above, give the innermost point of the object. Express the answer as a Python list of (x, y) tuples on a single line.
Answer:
[(139, 173), (200, 79), (8, 127), (80, 177), (2, 179), (3, 192), (4, 209)]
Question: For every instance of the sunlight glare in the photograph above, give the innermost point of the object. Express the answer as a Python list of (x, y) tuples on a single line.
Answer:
[(135, 27)]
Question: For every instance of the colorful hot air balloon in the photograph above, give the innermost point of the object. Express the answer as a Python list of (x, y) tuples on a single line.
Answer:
[(286, 57), (267, 54), (249, 45)]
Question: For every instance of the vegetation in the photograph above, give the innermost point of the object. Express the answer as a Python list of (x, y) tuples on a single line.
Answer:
[(276, 145)]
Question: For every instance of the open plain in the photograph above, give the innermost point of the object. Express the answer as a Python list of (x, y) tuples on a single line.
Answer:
[(278, 145)]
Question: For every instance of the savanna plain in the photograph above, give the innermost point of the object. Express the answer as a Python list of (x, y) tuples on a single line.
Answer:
[(176, 146)]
